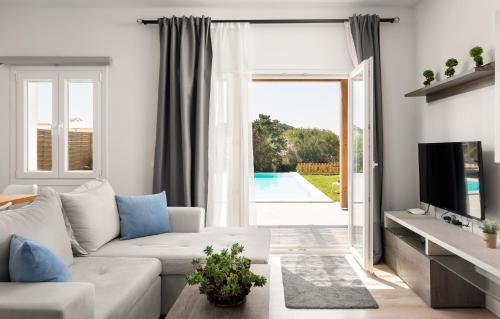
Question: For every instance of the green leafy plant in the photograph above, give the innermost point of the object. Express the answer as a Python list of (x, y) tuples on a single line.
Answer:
[(476, 54), (490, 226), (225, 277), (451, 63), (279, 147), (429, 77)]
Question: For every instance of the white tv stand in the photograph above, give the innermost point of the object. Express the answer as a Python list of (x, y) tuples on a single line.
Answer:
[(455, 257)]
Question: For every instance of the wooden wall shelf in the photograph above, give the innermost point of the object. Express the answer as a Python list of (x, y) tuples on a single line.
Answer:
[(473, 79)]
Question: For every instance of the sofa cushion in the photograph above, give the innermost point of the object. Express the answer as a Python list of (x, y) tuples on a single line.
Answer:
[(119, 282), (30, 261), (78, 250), (143, 215), (41, 221), (75, 245), (176, 250), (92, 214)]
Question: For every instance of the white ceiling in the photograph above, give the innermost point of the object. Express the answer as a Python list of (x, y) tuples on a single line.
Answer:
[(196, 3)]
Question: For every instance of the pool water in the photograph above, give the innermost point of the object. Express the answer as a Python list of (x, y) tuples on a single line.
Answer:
[(286, 187), (472, 185)]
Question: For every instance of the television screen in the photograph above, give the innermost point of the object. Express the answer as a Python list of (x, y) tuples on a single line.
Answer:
[(451, 177)]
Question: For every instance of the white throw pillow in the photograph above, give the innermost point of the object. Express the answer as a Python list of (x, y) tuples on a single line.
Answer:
[(41, 221), (78, 250), (92, 213)]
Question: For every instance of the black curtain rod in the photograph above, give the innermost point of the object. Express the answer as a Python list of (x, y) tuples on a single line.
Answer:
[(284, 21)]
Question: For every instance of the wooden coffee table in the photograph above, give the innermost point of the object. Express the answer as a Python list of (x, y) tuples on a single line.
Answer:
[(192, 305)]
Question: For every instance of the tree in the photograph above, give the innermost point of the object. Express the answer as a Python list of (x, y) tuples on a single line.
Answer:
[(268, 143), (311, 146), (280, 147)]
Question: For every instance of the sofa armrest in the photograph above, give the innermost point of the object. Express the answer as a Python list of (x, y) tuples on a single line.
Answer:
[(47, 300), (186, 219)]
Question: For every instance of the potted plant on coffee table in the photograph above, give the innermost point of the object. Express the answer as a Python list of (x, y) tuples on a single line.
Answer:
[(490, 229), (225, 277)]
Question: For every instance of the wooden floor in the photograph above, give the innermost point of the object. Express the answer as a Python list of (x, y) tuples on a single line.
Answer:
[(395, 299)]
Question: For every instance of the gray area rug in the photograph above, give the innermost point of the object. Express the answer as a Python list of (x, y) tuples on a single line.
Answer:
[(323, 282)]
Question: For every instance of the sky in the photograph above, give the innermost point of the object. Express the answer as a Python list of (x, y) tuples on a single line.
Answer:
[(80, 102), (299, 104), (43, 100)]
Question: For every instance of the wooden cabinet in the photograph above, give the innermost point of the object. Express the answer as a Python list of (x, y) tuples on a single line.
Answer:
[(436, 285)]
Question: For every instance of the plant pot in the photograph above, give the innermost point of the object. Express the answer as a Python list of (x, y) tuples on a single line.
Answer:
[(226, 302), (490, 240)]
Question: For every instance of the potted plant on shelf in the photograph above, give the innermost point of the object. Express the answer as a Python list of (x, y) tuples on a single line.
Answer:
[(490, 229), (476, 55), (451, 63), (225, 277), (429, 77)]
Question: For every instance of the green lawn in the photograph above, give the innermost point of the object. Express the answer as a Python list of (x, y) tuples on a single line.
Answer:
[(324, 183)]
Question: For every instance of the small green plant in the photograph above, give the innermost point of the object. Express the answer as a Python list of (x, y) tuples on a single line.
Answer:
[(225, 277), (429, 77), (451, 63), (476, 55), (490, 226)]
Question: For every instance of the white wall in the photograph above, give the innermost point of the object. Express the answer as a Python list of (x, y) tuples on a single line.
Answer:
[(277, 48), (449, 28)]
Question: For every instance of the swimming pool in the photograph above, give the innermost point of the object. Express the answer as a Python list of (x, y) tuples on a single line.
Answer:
[(472, 185), (286, 187)]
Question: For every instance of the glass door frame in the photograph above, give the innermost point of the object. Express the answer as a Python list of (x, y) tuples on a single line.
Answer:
[(366, 259)]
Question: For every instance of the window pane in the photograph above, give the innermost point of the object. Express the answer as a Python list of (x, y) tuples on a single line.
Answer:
[(80, 126), (39, 126)]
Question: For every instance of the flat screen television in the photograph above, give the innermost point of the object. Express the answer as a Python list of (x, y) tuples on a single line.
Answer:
[(451, 177)]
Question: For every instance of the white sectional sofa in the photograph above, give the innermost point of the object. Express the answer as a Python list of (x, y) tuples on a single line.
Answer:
[(137, 278)]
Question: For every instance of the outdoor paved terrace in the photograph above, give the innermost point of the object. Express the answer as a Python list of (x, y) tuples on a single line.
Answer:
[(296, 214)]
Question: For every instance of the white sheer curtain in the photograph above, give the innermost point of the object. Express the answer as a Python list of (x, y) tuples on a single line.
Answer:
[(230, 158), (350, 44)]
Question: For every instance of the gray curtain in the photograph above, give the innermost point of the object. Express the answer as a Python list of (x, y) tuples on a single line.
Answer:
[(181, 152), (365, 31)]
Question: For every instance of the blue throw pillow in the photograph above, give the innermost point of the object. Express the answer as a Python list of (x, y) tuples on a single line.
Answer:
[(143, 215), (30, 261)]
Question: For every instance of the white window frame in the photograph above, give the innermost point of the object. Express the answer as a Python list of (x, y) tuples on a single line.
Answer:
[(60, 77)]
